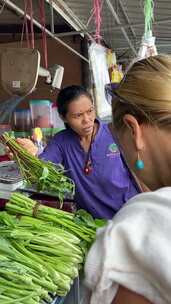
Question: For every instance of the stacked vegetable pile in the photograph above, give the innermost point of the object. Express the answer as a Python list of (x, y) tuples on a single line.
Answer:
[(41, 251), (45, 176)]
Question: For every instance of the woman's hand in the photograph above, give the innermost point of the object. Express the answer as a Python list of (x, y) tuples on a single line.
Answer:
[(28, 145), (8, 153)]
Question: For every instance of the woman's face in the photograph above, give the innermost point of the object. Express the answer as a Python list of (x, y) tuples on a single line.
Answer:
[(81, 115)]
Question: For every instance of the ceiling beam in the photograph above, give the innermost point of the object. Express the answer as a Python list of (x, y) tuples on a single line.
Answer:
[(63, 9), (126, 25), (122, 29), (17, 29), (58, 8), (127, 18), (49, 33), (158, 46), (67, 34), (52, 25)]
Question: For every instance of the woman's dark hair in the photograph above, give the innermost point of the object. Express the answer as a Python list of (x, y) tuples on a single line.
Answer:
[(69, 94)]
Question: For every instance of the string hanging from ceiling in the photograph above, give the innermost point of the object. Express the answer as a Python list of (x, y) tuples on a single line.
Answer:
[(98, 19), (96, 14), (28, 24), (148, 15), (9, 105), (148, 47), (44, 39)]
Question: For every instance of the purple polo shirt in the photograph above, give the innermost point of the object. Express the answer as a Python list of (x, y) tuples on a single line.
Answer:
[(108, 186)]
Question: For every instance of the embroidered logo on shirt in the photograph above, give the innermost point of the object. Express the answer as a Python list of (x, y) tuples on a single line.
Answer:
[(113, 148)]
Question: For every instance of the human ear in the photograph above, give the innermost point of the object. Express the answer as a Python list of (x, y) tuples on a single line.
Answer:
[(135, 129)]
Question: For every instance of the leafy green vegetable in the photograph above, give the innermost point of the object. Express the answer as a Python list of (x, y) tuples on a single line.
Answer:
[(42, 250), (45, 176)]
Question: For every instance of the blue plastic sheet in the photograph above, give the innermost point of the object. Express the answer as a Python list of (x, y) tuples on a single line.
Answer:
[(8, 106), (58, 300)]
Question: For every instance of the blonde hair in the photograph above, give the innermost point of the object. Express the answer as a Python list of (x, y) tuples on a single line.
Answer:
[(145, 93)]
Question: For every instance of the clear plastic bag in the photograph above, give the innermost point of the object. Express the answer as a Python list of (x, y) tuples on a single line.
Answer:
[(98, 61), (7, 107), (147, 47)]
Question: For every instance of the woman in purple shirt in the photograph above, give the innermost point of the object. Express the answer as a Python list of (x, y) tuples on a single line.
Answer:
[(87, 150)]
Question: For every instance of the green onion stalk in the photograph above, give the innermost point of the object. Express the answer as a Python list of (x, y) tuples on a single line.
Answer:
[(45, 176), (21, 204), (42, 250)]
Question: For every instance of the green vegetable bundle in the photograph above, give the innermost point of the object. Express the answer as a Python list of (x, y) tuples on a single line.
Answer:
[(21, 204), (45, 176), (42, 250)]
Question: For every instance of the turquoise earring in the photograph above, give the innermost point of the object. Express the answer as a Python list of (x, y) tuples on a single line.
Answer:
[(139, 164)]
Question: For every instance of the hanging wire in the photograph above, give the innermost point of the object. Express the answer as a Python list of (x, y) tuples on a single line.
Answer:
[(148, 14), (24, 24), (43, 27), (31, 23), (96, 13), (52, 17), (28, 10), (98, 19)]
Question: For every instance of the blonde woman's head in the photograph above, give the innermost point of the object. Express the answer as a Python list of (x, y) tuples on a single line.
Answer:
[(145, 93)]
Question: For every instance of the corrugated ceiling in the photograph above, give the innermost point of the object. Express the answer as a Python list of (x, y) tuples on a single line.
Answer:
[(123, 30), (122, 22)]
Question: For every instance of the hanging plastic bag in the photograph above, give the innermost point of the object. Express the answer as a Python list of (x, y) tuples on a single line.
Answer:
[(8, 106), (115, 71), (148, 47), (116, 75), (111, 58), (98, 62)]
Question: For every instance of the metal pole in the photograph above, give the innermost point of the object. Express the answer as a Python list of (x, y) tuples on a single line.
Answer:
[(158, 46), (117, 27), (52, 18), (61, 12), (127, 18), (67, 34), (127, 25), (63, 9), (122, 29), (21, 12)]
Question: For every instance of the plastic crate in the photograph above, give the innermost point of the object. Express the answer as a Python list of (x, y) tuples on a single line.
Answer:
[(58, 300), (73, 297)]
